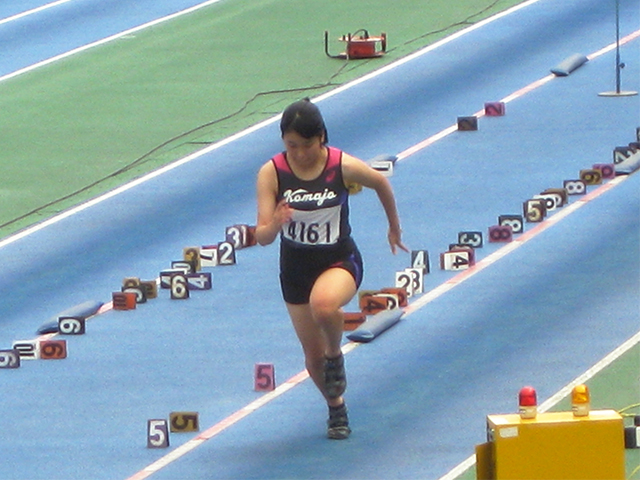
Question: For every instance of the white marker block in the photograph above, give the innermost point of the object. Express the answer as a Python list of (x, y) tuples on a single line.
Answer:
[(71, 325), (183, 265), (575, 187), (9, 359), (385, 167), (28, 349), (620, 154), (209, 256), (165, 276), (179, 287), (401, 293), (455, 260), (157, 433), (226, 254), (411, 279), (199, 281), (516, 222), (472, 239), (420, 259), (465, 248), (534, 210), (551, 201), (237, 235), (562, 192)]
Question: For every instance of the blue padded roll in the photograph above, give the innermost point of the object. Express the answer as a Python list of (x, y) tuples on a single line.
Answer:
[(568, 65), (49, 327), (83, 310), (376, 325)]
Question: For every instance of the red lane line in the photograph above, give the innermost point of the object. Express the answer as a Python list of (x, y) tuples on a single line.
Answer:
[(517, 94)]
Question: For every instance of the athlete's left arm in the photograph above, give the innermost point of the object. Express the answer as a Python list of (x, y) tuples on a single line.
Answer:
[(356, 171)]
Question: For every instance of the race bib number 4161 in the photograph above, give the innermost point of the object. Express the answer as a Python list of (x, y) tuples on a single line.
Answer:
[(314, 227)]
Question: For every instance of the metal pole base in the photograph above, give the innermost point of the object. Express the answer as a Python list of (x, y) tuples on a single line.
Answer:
[(627, 93)]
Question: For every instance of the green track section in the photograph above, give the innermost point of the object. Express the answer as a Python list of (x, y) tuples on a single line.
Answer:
[(86, 124)]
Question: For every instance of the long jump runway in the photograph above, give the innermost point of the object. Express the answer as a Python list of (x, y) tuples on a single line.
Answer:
[(541, 314)]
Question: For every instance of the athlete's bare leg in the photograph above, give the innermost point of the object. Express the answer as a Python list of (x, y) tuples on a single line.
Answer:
[(319, 324)]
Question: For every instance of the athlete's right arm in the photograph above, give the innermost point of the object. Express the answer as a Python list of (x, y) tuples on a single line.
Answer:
[(271, 215)]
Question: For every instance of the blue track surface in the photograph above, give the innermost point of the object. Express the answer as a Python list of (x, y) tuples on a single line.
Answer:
[(419, 394), (59, 29)]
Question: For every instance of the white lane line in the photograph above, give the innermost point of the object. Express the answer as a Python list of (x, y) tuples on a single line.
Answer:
[(103, 41), (26, 13)]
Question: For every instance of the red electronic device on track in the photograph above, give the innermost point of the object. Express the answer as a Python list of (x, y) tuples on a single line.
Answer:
[(359, 45)]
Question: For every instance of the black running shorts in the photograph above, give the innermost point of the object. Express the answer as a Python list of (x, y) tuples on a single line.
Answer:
[(300, 267)]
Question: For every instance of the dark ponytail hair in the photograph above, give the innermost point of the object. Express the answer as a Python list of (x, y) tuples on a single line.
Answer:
[(304, 118)]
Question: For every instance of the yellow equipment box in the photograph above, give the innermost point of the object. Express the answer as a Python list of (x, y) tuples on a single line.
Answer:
[(553, 446)]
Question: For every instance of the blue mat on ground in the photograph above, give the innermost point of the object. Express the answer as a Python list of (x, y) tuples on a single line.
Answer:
[(82, 310), (377, 324), (569, 64)]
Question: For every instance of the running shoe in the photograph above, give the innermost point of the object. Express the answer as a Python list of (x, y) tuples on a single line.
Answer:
[(338, 423), (335, 378)]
